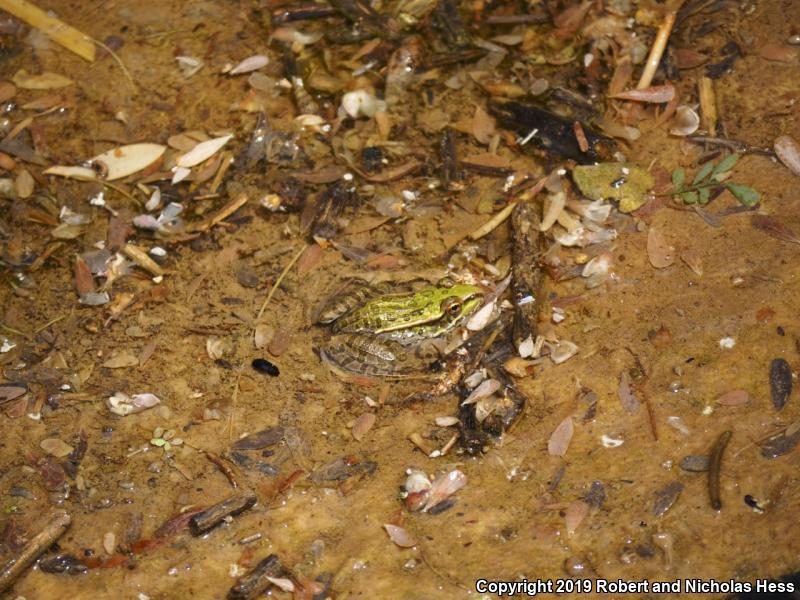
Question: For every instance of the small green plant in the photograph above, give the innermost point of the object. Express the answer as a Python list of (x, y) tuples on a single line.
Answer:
[(708, 177)]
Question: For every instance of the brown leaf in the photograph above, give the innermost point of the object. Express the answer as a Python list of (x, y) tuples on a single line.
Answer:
[(560, 438), (52, 473), (400, 536), (483, 126), (260, 439), (146, 352), (327, 174), (120, 228), (121, 360), (689, 59), (7, 91), (788, 152), (487, 160), (693, 261), (657, 94), (734, 398), (779, 53), (385, 261), (569, 20), (362, 425), (626, 396), (310, 259), (24, 184), (9, 391), (574, 515), (773, 227), (659, 252), (394, 173), (280, 341), (84, 282)]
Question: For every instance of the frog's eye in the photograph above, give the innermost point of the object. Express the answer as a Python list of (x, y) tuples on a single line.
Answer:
[(445, 282), (451, 306)]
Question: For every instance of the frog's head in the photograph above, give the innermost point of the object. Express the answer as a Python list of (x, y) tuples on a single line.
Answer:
[(456, 301)]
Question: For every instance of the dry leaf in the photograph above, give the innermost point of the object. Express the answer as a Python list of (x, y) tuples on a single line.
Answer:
[(126, 160), (84, 282), (24, 184), (400, 536), (486, 388), (693, 261), (483, 126), (788, 151), (559, 441), (55, 447), (45, 81), (7, 91), (657, 94), (251, 63), (362, 425), (109, 542), (773, 227), (146, 352), (734, 398), (80, 173), (659, 252), (123, 405), (202, 152), (783, 53), (121, 360), (445, 486), (487, 160), (280, 341), (626, 396), (574, 515)]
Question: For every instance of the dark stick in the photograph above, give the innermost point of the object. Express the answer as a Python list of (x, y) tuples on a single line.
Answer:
[(254, 583), (212, 516), (54, 528), (527, 276), (302, 12), (714, 467), (517, 19)]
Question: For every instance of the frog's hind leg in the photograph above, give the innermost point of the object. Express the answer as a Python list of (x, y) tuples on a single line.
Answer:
[(365, 355), (350, 294)]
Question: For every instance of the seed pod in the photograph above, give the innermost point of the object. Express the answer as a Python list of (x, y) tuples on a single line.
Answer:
[(780, 382)]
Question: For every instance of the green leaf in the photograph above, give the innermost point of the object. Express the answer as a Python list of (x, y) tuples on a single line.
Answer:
[(703, 173), (746, 195), (158, 442), (725, 165), (678, 177), (689, 197), (703, 193)]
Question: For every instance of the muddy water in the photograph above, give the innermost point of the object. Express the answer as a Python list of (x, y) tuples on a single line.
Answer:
[(667, 325)]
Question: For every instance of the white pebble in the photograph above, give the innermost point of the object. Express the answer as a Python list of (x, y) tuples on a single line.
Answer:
[(610, 442)]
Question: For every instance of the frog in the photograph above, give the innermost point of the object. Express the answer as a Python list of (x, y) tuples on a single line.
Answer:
[(374, 327)]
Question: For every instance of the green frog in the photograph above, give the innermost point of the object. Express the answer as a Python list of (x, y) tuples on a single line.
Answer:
[(374, 327)]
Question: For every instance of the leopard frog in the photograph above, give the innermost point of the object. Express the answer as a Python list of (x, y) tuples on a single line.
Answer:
[(373, 327)]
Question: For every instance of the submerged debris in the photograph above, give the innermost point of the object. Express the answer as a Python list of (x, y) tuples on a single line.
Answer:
[(780, 382)]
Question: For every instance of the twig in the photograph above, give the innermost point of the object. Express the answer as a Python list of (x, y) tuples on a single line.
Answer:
[(223, 213), (213, 515), (46, 325), (54, 528), (118, 60), (278, 281), (61, 33), (490, 225), (657, 50), (224, 468), (714, 469)]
